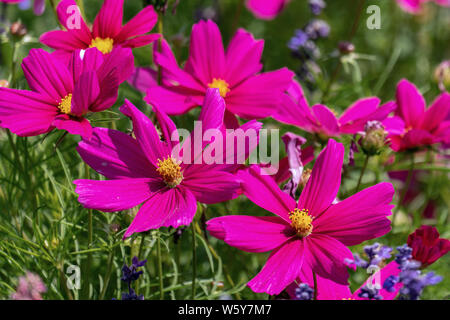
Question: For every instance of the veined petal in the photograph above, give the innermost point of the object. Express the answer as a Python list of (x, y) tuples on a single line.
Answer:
[(411, 104), (282, 267), (115, 155), (251, 234), (108, 22), (115, 195), (436, 113), (328, 122), (77, 126), (264, 192), (168, 207), (85, 93), (142, 23), (323, 185), (360, 217)]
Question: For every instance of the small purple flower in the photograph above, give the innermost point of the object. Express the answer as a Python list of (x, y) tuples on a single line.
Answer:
[(304, 292), (130, 274), (404, 254), (298, 40), (317, 29), (389, 283), (370, 293), (317, 6)]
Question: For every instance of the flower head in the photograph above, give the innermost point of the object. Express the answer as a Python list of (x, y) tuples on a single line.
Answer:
[(426, 246), (304, 292), (63, 95), (149, 169), (309, 236), (266, 9), (236, 72), (30, 288), (107, 31)]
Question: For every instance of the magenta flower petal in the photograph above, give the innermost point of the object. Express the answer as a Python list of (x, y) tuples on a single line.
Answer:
[(327, 257), (282, 267), (359, 110), (167, 127), (263, 191), (85, 60), (140, 41), (85, 93), (108, 22), (360, 217), (213, 110), (208, 185), (323, 185), (266, 9), (174, 208), (251, 234), (115, 195), (120, 60), (411, 104), (47, 76), (172, 102), (146, 134), (436, 113), (243, 57), (115, 155), (251, 99), (142, 23), (65, 41), (327, 119), (207, 55), (143, 78), (26, 113), (77, 126)]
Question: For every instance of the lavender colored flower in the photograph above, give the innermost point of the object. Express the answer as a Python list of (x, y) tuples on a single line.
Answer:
[(390, 282), (30, 288), (377, 253), (298, 40), (414, 283), (370, 293), (131, 295), (304, 292), (404, 254), (317, 29), (317, 6)]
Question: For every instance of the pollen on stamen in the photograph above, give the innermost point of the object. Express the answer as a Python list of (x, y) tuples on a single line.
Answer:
[(104, 45), (65, 105), (220, 84), (301, 221), (170, 172)]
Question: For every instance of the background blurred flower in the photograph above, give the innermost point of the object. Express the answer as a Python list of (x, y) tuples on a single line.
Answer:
[(38, 5), (30, 288)]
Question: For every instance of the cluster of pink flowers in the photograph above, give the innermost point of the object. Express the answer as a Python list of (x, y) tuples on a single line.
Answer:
[(308, 237)]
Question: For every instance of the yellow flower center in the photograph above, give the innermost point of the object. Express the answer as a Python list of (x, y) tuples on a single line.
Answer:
[(301, 222), (66, 104), (103, 45), (170, 171), (220, 84)]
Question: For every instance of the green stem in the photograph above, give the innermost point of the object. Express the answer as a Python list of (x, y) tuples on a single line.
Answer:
[(405, 188), (160, 272), (108, 274), (363, 170), (194, 261), (90, 239)]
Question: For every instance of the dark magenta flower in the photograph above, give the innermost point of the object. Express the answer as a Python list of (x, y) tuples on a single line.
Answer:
[(63, 95), (418, 126), (266, 9), (426, 245)]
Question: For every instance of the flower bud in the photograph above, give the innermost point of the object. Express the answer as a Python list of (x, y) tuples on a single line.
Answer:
[(374, 138), (346, 47), (442, 74), (306, 174), (18, 30)]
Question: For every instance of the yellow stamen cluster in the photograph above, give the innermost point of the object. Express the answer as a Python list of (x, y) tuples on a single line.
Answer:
[(103, 45), (220, 84), (301, 222), (170, 172), (66, 104)]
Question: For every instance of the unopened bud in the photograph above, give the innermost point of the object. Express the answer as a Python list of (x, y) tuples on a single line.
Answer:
[(346, 47), (442, 74), (18, 30), (374, 138), (114, 228), (306, 174)]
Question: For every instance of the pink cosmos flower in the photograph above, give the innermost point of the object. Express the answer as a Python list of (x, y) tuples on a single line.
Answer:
[(235, 72), (38, 5), (415, 6), (145, 170), (419, 127), (266, 9), (107, 31), (319, 119), (61, 96), (308, 237)]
